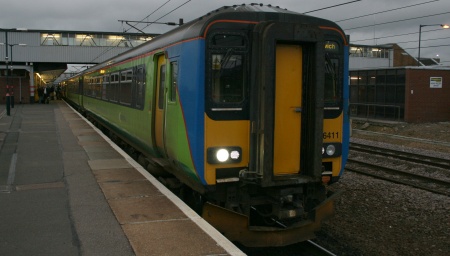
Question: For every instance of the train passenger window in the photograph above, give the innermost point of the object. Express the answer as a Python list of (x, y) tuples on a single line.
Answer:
[(227, 78), (105, 86), (162, 75), (86, 86), (98, 87), (173, 81), (126, 78), (227, 75), (331, 69), (140, 87), (332, 88), (113, 87)]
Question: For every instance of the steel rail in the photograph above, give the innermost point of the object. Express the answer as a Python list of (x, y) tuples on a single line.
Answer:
[(407, 156), (434, 142), (418, 178)]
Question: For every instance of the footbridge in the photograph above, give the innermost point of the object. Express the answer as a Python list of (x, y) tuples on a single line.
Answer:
[(33, 58)]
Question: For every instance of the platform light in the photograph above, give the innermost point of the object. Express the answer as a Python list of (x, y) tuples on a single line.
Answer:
[(149, 38), (444, 26), (116, 37), (51, 35)]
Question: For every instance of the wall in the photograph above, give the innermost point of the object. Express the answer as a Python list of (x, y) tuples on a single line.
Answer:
[(366, 62), (21, 89), (402, 58), (422, 103)]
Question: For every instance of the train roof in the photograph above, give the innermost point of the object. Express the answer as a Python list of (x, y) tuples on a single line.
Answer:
[(197, 27)]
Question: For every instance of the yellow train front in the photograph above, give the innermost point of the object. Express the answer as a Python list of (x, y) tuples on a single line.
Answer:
[(276, 123)]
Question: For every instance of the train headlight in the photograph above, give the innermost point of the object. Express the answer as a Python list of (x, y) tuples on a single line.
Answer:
[(331, 150), (224, 155)]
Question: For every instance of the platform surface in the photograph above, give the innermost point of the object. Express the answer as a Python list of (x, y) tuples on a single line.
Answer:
[(66, 189)]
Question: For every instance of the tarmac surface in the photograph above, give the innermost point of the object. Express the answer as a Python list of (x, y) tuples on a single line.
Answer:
[(66, 189)]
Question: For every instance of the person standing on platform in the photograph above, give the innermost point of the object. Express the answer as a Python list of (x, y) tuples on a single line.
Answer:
[(41, 94), (46, 95)]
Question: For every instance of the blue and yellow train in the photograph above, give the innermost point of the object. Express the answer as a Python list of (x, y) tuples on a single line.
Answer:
[(246, 106)]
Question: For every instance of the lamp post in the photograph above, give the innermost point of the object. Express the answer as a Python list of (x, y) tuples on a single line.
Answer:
[(445, 26), (8, 92)]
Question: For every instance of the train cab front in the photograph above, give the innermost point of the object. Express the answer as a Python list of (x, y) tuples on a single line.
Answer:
[(265, 130)]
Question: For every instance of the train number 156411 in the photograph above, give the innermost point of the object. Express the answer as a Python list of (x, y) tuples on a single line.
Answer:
[(330, 135)]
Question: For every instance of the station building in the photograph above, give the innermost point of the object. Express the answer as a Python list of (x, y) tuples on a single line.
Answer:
[(387, 83)]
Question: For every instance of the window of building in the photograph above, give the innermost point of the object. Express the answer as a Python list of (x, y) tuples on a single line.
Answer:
[(92, 39), (377, 93)]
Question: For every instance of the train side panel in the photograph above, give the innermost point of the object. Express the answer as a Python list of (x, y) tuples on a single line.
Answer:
[(133, 124), (184, 110)]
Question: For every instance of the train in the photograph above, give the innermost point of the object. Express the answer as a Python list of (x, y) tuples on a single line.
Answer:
[(243, 112)]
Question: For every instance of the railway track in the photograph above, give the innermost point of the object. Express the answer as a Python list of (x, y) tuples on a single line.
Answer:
[(405, 138), (394, 172), (410, 157)]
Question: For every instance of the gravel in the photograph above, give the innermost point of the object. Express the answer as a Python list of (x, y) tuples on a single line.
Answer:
[(376, 217)]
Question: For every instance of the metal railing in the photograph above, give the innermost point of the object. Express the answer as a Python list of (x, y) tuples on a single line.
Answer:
[(370, 110)]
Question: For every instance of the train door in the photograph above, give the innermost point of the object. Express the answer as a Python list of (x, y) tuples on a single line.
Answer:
[(287, 105), (160, 105), (171, 112), (288, 109)]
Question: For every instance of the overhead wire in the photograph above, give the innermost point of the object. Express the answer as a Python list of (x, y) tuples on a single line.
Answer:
[(154, 11), (328, 7), (385, 11), (395, 21), (167, 13), (423, 40), (112, 47), (431, 46), (395, 35)]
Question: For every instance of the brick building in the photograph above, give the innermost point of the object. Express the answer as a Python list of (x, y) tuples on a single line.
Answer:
[(427, 94), (410, 94), (20, 80), (387, 83)]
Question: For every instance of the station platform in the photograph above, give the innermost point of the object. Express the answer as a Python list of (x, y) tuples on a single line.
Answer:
[(66, 189)]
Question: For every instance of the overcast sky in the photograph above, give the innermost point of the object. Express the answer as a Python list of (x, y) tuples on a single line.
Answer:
[(383, 21)]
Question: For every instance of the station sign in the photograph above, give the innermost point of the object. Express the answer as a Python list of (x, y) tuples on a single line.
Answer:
[(435, 82)]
